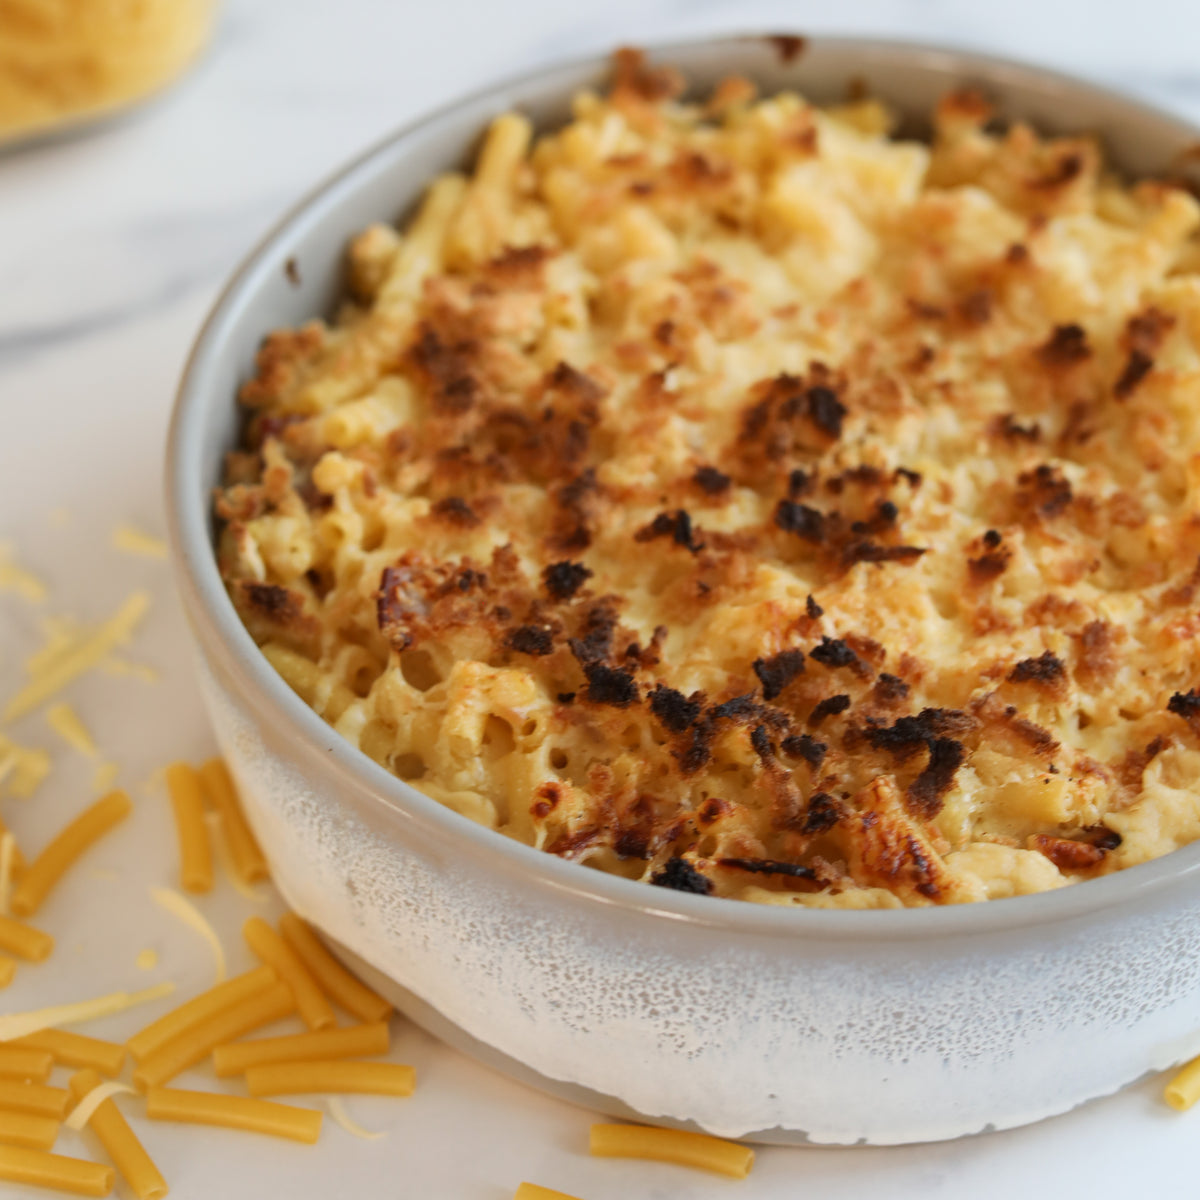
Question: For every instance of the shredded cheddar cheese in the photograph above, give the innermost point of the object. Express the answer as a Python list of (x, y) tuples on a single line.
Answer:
[(81, 1114), (182, 908), (15, 578), (15, 1025), (81, 657), (134, 541), (339, 1112), (65, 721)]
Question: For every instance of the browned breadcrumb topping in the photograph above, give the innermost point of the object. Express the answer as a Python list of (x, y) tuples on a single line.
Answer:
[(728, 496)]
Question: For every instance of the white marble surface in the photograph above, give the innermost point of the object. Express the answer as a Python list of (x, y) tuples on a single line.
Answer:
[(112, 247)]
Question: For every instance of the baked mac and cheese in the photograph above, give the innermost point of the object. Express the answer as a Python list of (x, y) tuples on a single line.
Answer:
[(729, 495)]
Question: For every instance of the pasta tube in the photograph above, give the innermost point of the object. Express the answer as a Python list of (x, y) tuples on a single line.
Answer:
[(531, 1191), (300, 1047), (22, 1062), (49, 867), (36, 1167), (75, 1050), (234, 1112), (34, 1098), (27, 1129), (200, 1040), (119, 1141), (24, 941), (276, 953), (244, 850), (333, 979), (673, 1146), (373, 1078), (199, 1008), (1184, 1089), (8, 968), (187, 803)]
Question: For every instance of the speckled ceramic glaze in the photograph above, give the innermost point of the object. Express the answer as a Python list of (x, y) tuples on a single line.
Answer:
[(783, 1025)]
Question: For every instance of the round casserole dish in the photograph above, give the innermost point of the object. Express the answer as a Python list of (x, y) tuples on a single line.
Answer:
[(792, 1025)]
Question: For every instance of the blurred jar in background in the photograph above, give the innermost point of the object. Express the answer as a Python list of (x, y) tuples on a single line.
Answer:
[(62, 61)]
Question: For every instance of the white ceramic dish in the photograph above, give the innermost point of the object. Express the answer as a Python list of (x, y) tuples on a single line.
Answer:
[(782, 1025)]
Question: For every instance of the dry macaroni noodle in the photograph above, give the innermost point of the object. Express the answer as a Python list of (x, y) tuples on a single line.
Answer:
[(1183, 1090), (77, 1050), (337, 983), (275, 952), (119, 1141), (36, 1098), (187, 803), (8, 970), (243, 848), (351, 1042), (531, 1191), (39, 1169), (674, 1146), (24, 941), (368, 1078), (48, 868), (23, 1062), (234, 1112), (200, 1040), (28, 1129), (198, 1009)]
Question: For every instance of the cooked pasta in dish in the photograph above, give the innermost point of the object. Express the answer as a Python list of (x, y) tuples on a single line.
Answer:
[(727, 494)]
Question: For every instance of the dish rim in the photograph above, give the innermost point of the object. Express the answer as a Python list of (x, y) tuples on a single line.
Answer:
[(218, 629)]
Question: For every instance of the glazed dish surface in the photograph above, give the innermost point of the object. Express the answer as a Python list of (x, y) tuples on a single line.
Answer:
[(731, 495)]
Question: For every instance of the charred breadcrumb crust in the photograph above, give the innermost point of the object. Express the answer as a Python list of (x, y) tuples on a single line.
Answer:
[(743, 501)]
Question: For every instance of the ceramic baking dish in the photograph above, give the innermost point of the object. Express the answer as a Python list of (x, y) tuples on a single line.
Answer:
[(780, 1025)]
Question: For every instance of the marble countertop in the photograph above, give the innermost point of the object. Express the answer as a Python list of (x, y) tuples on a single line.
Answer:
[(112, 247)]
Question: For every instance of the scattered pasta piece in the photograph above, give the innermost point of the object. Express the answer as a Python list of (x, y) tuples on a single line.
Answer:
[(234, 1112), (15, 578), (228, 867), (104, 777), (10, 862), (276, 953), (353, 1042), (28, 1129), (198, 1009), (37, 1098), (134, 541), (673, 1146), (16, 1025), (337, 983), (191, 916), (39, 1169), (187, 803), (82, 656), (366, 1078), (88, 1092), (531, 1191), (22, 768), (1184, 1088), (24, 941), (94, 1106), (339, 1112), (200, 1040), (46, 870), (8, 970), (77, 1050), (24, 1062), (243, 848), (147, 959), (66, 722)]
